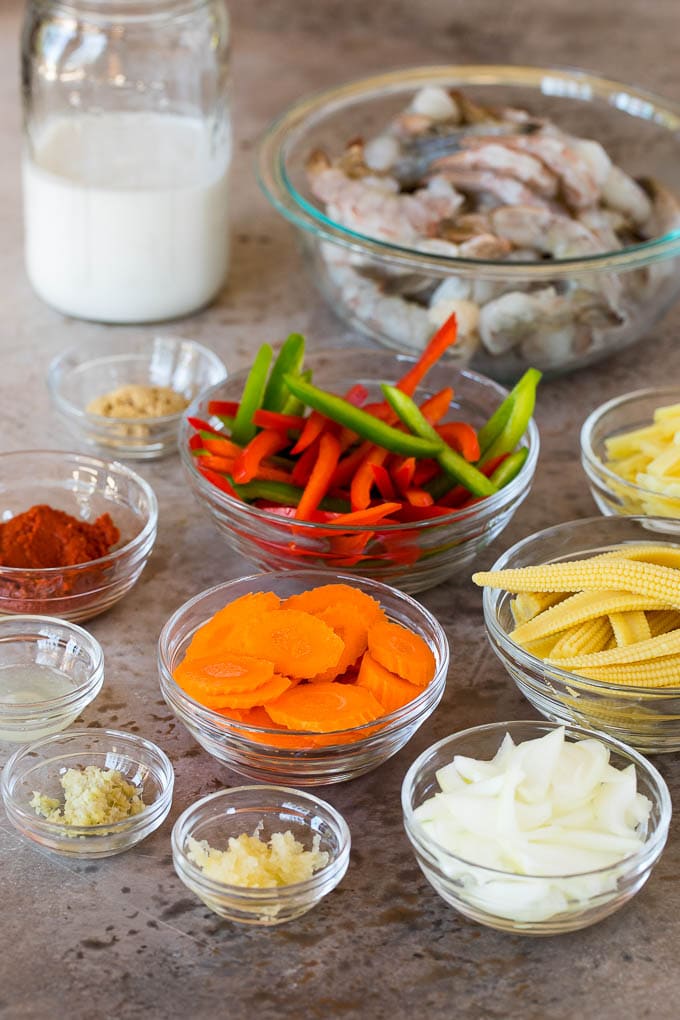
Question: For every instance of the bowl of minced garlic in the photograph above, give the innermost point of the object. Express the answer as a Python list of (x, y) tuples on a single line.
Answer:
[(88, 793), (131, 400), (585, 617), (260, 854)]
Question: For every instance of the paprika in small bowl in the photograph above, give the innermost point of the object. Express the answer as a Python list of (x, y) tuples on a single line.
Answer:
[(76, 533)]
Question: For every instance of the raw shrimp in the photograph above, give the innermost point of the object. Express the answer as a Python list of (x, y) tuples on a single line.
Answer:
[(504, 190), (373, 206), (621, 192), (544, 230), (502, 158)]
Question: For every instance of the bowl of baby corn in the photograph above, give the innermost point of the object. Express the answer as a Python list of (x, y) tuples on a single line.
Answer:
[(630, 454), (585, 617)]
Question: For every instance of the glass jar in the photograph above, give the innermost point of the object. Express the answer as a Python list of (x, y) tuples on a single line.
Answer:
[(127, 155)]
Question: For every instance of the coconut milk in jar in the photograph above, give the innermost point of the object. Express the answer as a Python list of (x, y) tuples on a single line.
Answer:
[(127, 155)]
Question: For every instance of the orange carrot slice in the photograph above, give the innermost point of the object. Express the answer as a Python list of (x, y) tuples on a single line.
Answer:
[(316, 600), (215, 696), (299, 644), (350, 625), (258, 717), (389, 689), (228, 673), (402, 652), (209, 639), (324, 707)]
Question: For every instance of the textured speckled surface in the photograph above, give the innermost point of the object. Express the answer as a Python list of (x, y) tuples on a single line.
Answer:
[(122, 938)]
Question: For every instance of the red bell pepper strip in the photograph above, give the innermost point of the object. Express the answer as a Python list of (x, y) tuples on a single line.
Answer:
[(461, 437), (203, 426), (222, 464), (196, 442), (403, 474), (304, 464), (320, 477), (313, 427), (218, 480), (362, 483), (418, 497), (425, 471), (436, 406), (220, 446), (412, 514), (371, 515), (275, 420), (227, 408), (263, 445), (383, 481), (442, 339), (356, 395)]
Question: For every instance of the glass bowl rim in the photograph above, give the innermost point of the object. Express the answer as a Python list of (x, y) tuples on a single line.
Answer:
[(64, 702), (86, 460), (487, 507), (648, 852), (56, 370), (150, 812), (274, 181), (337, 864), (491, 596), (594, 464), (389, 721)]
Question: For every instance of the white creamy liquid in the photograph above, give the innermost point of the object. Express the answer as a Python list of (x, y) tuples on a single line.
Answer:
[(126, 216)]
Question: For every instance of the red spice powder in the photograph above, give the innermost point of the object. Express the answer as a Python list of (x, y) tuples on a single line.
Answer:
[(43, 537)]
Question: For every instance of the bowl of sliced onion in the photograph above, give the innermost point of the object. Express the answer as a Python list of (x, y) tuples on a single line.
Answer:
[(535, 828)]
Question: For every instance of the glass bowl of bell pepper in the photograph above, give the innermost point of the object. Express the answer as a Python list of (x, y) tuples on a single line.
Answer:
[(361, 461)]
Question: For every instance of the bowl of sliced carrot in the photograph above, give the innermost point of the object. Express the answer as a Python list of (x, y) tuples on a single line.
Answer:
[(283, 676), (362, 461)]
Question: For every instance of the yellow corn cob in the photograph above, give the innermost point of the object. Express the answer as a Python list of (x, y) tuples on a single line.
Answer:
[(669, 411), (663, 620), (651, 552), (530, 603), (630, 627), (585, 605), (664, 672), (642, 651), (543, 647), (590, 636), (613, 574)]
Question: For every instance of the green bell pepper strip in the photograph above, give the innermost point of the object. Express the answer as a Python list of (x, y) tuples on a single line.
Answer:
[(289, 359), (510, 467), (284, 494), (292, 405), (364, 424), (521, 409), (498, 422), (243, 428), (450, 462)]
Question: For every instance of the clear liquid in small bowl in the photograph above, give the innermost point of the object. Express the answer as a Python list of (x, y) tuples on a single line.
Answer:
[(28, 685)]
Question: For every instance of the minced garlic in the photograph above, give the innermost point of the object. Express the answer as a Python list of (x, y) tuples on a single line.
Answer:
[(92, 796), (134, 401), (252, 863)]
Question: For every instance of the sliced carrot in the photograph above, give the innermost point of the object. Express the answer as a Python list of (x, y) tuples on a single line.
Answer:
[(209, 638), (209, 691), (349, 623), (402, 652), (258, 717), (228, 672), (316, 600), (261, 695), (389, 689), (325, 707), (299, 644)]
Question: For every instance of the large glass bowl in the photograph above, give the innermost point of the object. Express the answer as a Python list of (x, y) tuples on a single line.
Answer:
[(82, 373), (383, 288), (612, 493), (84, 487), (302, 758), (517, 903), (266, 810), (643, 717), (411, 556)]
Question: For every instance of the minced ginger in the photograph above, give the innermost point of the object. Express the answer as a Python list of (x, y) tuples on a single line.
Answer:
[(92, 796), (135, 401), (253, 863)]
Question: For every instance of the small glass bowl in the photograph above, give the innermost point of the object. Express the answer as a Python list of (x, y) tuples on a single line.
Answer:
[(642, 717), (66, 655), (474, 890), (412, 556), (80, 374), (84, 487), (612, 493), (38, 767), (300, 757), (269, 809), (390, 291)]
